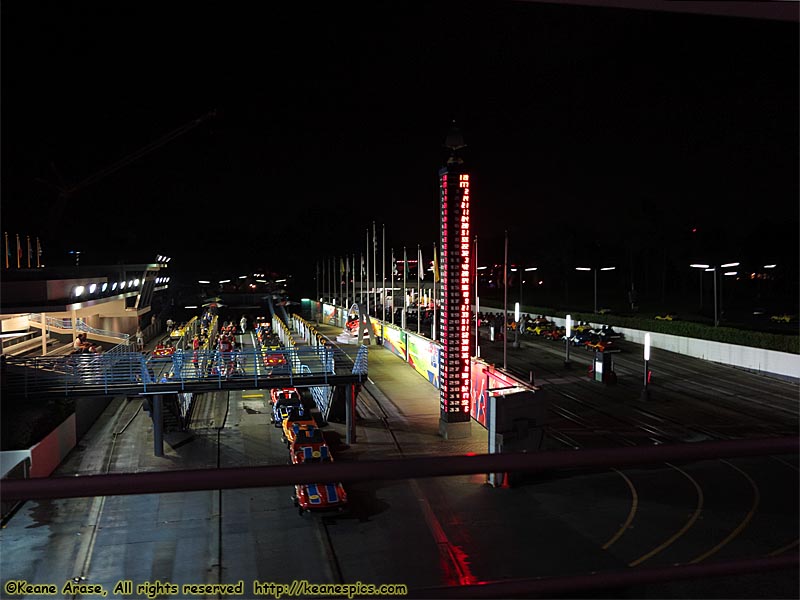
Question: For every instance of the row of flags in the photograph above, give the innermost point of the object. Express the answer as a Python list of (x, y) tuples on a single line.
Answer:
[(344, 265), (10, 258)]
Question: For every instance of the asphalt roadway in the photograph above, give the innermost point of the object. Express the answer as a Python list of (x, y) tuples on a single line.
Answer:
[(436, 532)]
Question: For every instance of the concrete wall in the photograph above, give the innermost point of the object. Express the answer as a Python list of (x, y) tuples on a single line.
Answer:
[(48, 454), (755, 359)]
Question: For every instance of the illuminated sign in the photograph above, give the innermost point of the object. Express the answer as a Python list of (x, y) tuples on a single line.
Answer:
[(455, 322)]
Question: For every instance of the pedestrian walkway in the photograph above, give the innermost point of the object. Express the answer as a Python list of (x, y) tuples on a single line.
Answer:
[(408, 412)]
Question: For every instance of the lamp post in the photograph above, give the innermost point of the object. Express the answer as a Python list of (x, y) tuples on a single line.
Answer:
[(713, 269), (645, 392), (566, 339), (594, 271)]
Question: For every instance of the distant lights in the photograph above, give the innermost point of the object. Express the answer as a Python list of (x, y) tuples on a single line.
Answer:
[(104, 287), (729, 273), (136, 282), (479, 268), (191, 306), (583, 268), (78, 290), (711, 269), (698, 266), (242, 276), (732, 264), (279, 280), (130, 283), (114, 286), (92, 288), (203, 281), (224, 280), (122, 285), (261, 280), (607, 268), (770, 266), (531, 269)]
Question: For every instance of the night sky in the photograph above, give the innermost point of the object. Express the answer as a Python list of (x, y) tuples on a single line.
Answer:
[(592, 132)]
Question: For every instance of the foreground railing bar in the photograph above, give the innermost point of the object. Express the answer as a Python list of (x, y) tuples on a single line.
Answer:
[(555, 586), (409, 468)]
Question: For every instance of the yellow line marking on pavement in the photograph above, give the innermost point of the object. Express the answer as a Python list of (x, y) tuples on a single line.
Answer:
[(631, 513), (683, 529), (742, 525), (783, 549), (252, 395)]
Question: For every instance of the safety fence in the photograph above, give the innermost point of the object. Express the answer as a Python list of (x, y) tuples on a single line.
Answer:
[(139, 373), (66, 323)]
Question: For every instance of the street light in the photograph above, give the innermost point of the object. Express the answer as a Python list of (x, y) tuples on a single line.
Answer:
[(566, 338), (594, 271), (646, 361), (713, 269)]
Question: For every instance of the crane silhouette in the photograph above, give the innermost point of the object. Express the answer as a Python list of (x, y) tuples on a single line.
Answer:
[(67, 192)]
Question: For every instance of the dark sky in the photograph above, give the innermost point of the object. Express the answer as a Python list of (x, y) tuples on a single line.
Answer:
[(591, 131)]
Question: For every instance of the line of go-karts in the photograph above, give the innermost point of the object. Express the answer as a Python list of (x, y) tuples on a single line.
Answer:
[(582, 333), (306, 444)]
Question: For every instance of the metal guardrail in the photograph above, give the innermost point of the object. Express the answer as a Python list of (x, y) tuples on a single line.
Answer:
[(66, 323), (122, 371)]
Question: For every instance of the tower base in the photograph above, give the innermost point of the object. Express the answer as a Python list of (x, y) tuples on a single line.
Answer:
[(455, 431)]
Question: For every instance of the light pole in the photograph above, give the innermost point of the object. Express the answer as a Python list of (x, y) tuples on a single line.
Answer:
[(594, 271), (713, 269), (645, 392), (566, 338)]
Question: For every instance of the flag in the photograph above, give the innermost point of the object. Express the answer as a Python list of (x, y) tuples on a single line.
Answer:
[(420, 264), (435, 265), (347, 266), (362, 265), (341, 266), (394, 265)]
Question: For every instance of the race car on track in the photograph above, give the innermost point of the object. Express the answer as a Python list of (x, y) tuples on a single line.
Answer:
[(288, 393), (554, 334), (284, 407), (598, 344), (665, 317), (319, 496), (309, 445), (295, 423)]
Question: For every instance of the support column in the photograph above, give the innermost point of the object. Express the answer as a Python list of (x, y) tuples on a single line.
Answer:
[(44, 334), (158, 425), (350, 415)]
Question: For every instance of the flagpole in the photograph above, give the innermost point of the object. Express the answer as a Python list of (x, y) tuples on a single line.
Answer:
[(341, 274), (368, 270), (8, 252), (433, 293), (361, 281), (316, 278), (374, 269), (392, 274), (347, 282), (505, 304), (477, 301), (419, 286), (383, 272), (19, 252), (405, 296), (38, 252)]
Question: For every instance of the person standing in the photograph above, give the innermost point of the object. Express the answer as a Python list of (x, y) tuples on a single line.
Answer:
[(243, 324), (139, 339)]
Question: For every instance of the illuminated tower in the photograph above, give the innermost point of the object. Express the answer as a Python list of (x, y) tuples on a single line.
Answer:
[(456, 266)]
